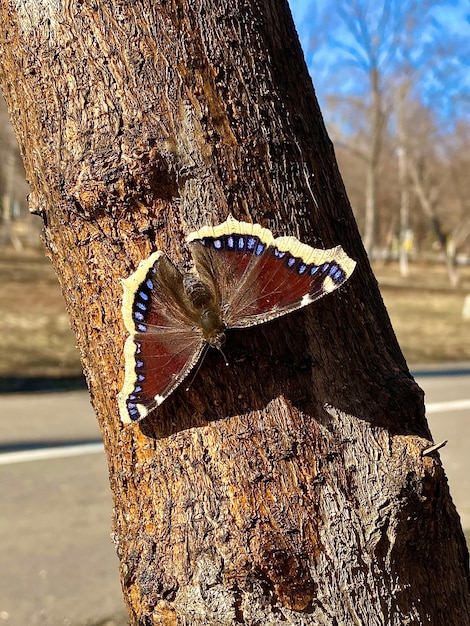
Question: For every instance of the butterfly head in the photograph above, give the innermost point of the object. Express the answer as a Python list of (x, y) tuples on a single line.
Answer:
[(213, 328)]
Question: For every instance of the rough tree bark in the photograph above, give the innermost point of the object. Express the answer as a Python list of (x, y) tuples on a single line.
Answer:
[(292, 486)]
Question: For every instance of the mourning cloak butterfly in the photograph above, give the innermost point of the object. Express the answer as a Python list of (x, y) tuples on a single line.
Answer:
[(242, 276)]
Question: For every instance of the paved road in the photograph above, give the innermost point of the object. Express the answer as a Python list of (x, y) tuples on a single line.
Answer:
[(58, 565), (448, 412)]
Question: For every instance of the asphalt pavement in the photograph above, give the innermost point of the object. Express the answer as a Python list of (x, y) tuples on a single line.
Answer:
[(58, 564)]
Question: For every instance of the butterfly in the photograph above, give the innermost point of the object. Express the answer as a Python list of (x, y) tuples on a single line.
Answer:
[(242, 276)]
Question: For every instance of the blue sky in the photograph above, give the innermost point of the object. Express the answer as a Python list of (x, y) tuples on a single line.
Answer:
[(457, 18), (444, 87)]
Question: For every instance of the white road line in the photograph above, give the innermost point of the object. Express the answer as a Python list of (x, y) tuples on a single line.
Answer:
[(42, 454), (8, 458), (451, 405)]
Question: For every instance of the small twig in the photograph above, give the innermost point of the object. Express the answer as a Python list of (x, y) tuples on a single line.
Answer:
[(433, 448)]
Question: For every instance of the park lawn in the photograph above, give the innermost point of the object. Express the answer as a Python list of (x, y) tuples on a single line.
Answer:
[(426, 313), (35, 335)]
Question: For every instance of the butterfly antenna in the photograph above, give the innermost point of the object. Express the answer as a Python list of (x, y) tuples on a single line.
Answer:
[(198, 367), (225, 358), (203, 354)]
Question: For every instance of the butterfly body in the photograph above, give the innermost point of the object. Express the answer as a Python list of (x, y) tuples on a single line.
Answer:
[(243, 276), (209, 318)]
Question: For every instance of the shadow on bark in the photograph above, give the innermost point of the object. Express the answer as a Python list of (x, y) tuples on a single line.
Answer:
[(275, 359)]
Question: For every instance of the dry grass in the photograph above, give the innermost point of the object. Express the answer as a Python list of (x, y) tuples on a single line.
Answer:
[(36, 340), (35, 336), (426, 313)]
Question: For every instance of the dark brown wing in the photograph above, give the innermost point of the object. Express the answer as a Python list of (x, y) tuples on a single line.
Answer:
[(164, 340), (258, 277)]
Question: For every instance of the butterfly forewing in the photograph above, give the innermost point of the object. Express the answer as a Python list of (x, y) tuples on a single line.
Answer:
[(259, 277), (289, 281), (225, 257)]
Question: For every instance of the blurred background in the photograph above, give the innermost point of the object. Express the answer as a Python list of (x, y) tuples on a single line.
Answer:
[(393, 82)]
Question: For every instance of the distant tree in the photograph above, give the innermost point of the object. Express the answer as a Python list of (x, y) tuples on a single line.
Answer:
[(402, 158), (371, 47), (457, 154), (433, 176), (13, 188)]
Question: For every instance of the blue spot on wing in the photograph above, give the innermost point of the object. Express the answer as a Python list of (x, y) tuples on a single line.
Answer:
[(336, 273)]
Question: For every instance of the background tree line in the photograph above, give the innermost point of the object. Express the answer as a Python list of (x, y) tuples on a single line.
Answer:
[(16, 226), (393, 77)]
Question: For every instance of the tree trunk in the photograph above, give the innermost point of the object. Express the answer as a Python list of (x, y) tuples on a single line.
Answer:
[(291, 487)]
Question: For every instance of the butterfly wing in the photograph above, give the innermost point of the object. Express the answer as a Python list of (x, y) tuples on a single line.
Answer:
[(252, 277), (164, 342), (258, 277)]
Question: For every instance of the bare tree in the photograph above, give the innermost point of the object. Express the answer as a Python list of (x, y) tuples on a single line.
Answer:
[(402, 157), (368, 43), (373, 47), (296, 486), (429, 172)]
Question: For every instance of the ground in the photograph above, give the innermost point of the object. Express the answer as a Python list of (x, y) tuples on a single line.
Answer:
[(35, 337), (36, 340), (426, 312)]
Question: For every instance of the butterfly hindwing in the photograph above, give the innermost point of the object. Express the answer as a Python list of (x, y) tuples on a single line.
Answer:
[(163, 344)]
